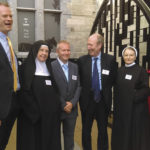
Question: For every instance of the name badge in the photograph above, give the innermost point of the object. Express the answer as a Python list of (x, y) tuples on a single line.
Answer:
[(128, 77), (48, 82), (106, 72), (74, 77)]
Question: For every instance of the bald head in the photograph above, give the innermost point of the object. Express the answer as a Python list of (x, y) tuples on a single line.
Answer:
[(98, 37), (95, 43)]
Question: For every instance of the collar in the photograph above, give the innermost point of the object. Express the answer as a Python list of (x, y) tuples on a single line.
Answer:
[(130, 65), (3, 36), (61, 63), (39, 62), (41, 68), (99, 57)]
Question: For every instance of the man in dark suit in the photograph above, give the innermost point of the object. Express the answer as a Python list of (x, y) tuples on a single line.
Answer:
[(67, 79), (9, 82), (97, 73)]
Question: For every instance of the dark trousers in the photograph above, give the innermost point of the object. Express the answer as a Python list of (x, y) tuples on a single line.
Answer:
[(95, 111), (68, 132), (7, 124)]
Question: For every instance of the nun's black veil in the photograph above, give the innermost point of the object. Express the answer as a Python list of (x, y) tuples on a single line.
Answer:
[(29, 66)]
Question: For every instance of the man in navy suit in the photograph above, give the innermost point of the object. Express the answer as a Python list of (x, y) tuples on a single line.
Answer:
[(67, 80), (9, 81), (96, 96)]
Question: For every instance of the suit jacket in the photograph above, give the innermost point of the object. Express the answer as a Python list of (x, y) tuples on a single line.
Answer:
[(6, 84), (108, 73), (69, 90)]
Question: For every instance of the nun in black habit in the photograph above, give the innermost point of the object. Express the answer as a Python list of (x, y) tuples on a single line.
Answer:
[(39, 122), (131, 128)]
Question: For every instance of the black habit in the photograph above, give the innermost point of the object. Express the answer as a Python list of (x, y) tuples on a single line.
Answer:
[(131, 120), (39, 122)]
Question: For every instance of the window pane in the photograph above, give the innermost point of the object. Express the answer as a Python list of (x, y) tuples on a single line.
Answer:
[(26, 27), (52, 4), (3, 0), (26, 3), (52, 26)]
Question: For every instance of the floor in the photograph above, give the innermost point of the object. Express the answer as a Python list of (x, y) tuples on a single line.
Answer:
[(12, 142)]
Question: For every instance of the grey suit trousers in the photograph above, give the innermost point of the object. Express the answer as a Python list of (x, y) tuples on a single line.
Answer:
[(68, 125)]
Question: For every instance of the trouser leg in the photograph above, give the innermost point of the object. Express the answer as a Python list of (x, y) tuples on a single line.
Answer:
[(68, 132), (7, 124)]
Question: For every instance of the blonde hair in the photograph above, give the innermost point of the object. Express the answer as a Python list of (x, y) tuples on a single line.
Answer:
[(62, 42), (6, 4)]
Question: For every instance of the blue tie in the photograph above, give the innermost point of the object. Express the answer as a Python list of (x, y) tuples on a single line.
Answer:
[(65, 66), (96, 82)]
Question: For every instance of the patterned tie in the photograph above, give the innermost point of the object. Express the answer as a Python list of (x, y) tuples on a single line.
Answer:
[(13, 64), (96, 82)]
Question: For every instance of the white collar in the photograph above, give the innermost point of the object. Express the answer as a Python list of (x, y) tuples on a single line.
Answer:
[(130, 65), (99, 56), (41, 68)]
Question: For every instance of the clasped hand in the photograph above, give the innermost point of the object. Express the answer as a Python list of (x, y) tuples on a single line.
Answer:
[(68, 107)]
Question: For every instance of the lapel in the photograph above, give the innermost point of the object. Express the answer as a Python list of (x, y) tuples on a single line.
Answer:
[(70, 73), (89, 68), (103, 64), (60, 70), (4, 56), (89, 64), (102, 61)]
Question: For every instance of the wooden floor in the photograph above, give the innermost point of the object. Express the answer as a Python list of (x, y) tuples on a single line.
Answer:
[(12, 142)]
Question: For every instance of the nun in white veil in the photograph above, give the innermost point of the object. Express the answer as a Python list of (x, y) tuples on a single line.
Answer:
[(39, 123)]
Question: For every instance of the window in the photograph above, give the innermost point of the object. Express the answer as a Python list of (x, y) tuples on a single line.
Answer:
[(37, 20)]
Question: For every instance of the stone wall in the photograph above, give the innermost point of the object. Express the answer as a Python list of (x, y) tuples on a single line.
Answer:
[(76, 23)]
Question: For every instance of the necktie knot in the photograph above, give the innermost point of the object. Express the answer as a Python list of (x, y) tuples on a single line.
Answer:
[(95, 59), (65, 66), (7, 38)]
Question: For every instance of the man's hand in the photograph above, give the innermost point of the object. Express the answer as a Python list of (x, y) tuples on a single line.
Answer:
[(0, 122), (68, 107)]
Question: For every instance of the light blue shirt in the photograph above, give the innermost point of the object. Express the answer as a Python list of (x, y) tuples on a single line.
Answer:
[(98, 67), (64, 68), (4, 42)]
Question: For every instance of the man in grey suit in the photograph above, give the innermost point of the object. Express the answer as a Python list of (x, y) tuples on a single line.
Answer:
[(67, 79)]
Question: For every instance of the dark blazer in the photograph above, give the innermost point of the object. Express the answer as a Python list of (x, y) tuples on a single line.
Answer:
[(68, 90), (108, 73), (6, 84)]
